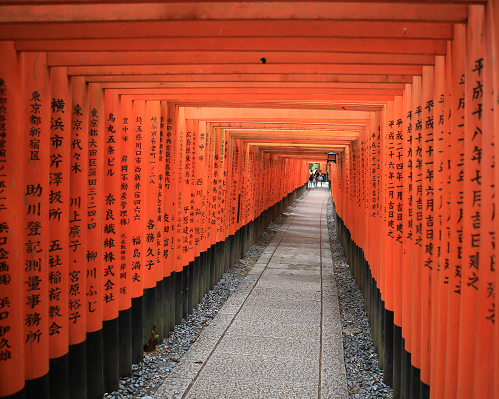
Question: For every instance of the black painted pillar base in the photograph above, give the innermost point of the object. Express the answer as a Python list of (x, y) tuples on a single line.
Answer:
[(171, 299), (388, 345), (125, 342), (137, 330), (185, 291), (95, 387), (405, 373), (415, 382), (59, 377), (110, 354), (397, 361), (211, 265), (189, 288), (166, 307), (424, 391), (148, 316), (158, 306), (215, 264), (178, 296), (18, 395), (78, 370), (205, 270), (198, 280), (38, 388)]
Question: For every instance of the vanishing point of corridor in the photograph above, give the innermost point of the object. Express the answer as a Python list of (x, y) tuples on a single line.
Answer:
[(279, 335)]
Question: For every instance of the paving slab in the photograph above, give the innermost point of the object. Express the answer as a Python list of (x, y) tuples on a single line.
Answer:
[(280, 334)]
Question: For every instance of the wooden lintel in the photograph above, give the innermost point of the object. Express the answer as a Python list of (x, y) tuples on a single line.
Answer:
[(81, 58), (354, 45), (225, 28), (143, 11)]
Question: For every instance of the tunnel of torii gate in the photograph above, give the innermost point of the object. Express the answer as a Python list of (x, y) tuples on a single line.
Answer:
[(145, 145)]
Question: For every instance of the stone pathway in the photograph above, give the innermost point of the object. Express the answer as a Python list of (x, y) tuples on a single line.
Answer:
[(279, 335)]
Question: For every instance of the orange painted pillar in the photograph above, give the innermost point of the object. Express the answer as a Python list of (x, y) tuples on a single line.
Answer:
[(211, 192), (184, 189), (417, 197), (196, 196), (389, 207), (485, 369), (172, 172), (492, 15), (150, 162), (438, 385), (472, 201), (124, 127), (111, 238), (125, 143), (398, 248), (440, 241), (232, 187), (181, 213), (202, 183), (160, 169), (111, 200), (93, 231), (375, 182), (152, 294), (35, 124), (408, 218), (456, 207), (77, 237), (12, 211), (428, 222), (222, 179), (138, 225), (196, 215), (167, 114), (189, 210), (189, 190), (163, 301), (216, 183), (137, 212), (167, 233), (59, 199), (94, 253)]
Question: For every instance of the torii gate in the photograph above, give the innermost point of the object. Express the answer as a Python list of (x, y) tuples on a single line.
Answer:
[(137, 147)]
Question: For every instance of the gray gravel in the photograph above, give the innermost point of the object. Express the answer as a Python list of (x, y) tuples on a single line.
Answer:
[(364, 377)]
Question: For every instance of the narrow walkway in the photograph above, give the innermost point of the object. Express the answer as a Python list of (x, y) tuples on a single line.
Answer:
[(279, 335)]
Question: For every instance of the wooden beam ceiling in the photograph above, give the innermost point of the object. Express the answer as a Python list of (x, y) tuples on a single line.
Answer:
[(251, 68)]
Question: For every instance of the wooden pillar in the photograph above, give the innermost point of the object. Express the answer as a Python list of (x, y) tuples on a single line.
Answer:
[(485, 369), (111, 239), (456, 207), (408, 220), (149, 181), (93, 230), (12, 212), (428, 221), (137, 215), (417, 206), (440, 236), (472, 206), (77, 239), (492, 14), (125, 141), (35, 125), (59, 200)]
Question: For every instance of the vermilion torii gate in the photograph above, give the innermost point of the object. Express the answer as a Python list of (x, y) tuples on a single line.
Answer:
[(139, 145)]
